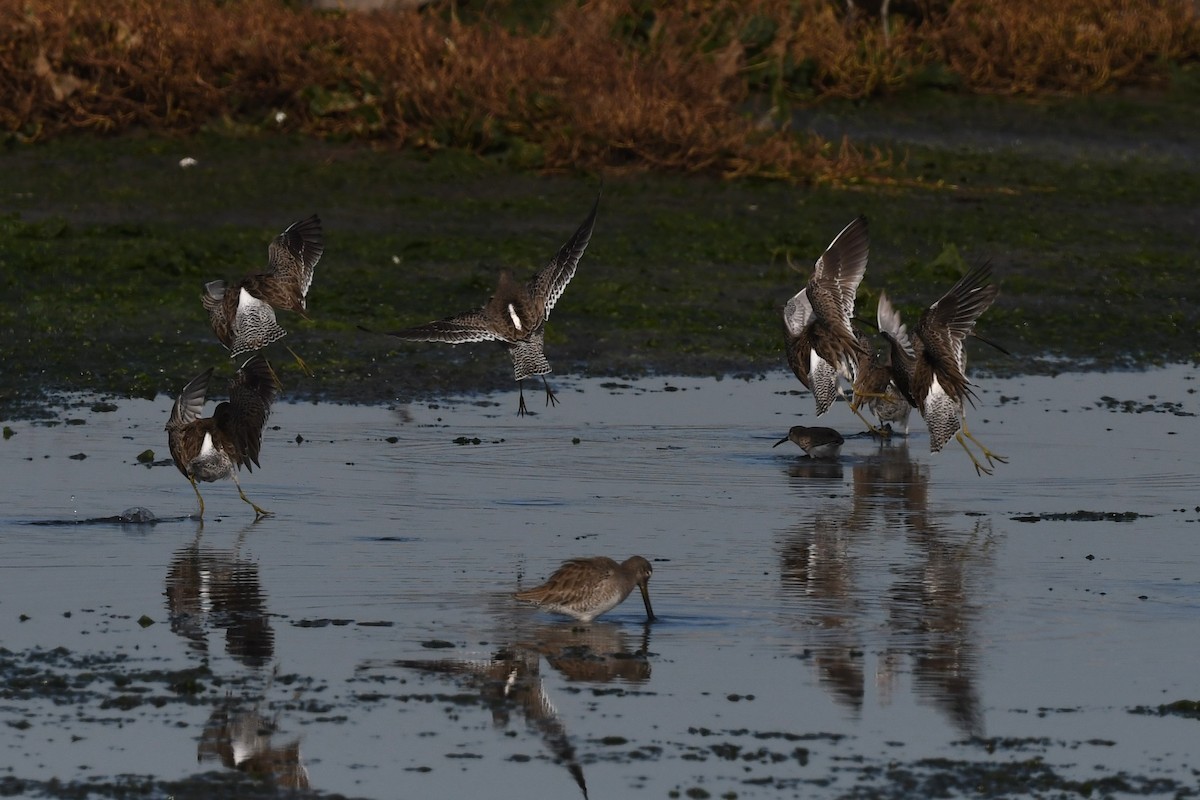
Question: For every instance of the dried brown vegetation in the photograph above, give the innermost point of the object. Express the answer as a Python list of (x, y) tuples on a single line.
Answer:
[(610, 83)]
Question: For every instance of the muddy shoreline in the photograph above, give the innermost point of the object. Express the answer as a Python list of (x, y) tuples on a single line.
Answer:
[(105, 244)]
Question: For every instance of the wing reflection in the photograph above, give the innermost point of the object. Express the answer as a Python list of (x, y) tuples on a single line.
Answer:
[(213, 588), (931, 603), (238, 737), (511, 680), (843, 565)]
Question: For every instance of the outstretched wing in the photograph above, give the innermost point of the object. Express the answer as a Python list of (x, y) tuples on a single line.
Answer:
[(946, 323), (889, 322), (470, 326), (184, 412), (798, 313), (551, 281), (839, 271), (190, 401), (252, 390), (293, 255)]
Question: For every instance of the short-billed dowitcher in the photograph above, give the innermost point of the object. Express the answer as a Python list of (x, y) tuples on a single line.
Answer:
[(873, 378), (585, 588), (929, 368), (516, 314), (816, 442), (821, 343), (243, 316), (212, 448)]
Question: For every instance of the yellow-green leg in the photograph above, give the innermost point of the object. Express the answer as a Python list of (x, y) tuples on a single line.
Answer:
[(258, 512), (300, 363), (980, 469), (196, 489), (988, 454), (880, 432)]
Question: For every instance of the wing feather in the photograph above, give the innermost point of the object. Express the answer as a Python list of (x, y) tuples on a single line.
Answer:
[(471, 326), (254, 325), (798, 313), (252, 390), (190, 402), (551, 280), (840, 270), (293, 254)]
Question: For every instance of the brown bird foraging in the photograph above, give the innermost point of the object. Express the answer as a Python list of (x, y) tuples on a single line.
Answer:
[(816, 442), (243, 315), (585, 588), (212, 448)]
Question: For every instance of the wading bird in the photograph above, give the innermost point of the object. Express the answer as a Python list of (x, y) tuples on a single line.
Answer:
[(816, 442), (585, 588), (212, 448)]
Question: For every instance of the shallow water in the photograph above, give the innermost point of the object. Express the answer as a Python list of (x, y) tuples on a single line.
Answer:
[(889, 623)]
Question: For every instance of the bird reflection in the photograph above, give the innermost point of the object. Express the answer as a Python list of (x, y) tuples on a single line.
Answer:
[(931, 601), (829, 566), (892, 485), (208, 588), (239, 737), (818, 564), (217, 588), (511, 680)]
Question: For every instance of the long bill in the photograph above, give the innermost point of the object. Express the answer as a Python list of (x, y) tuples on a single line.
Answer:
[(646, 599)]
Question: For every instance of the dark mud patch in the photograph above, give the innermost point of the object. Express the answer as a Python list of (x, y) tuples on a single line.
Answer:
[(1144, 407), (1189, 709), (940, 777), (203, 786), (1082, 516)]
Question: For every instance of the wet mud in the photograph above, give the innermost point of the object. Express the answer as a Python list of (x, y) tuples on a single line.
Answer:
[(886, 624)]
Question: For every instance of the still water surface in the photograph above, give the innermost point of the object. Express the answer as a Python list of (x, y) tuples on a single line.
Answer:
[(825, 627)]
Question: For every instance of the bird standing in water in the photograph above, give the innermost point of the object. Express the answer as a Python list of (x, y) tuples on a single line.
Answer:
[(816, 442), (585, 588), (930, 368), (243, 316), (212, 448), (516, 314)]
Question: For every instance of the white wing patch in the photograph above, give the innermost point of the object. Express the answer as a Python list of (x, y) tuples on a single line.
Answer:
[(798, 313)]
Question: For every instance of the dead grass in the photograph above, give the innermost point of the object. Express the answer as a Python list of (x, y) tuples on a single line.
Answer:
[(612, 84)]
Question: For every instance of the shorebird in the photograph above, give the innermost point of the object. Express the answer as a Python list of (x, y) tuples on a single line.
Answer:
[(821, 342), (243, 316), (585, 588), (929, 368), (873, 377), (815, 442), (516, 314), (212, 448)]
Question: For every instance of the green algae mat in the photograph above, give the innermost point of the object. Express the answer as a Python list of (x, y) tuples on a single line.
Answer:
[(1087, 210)]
